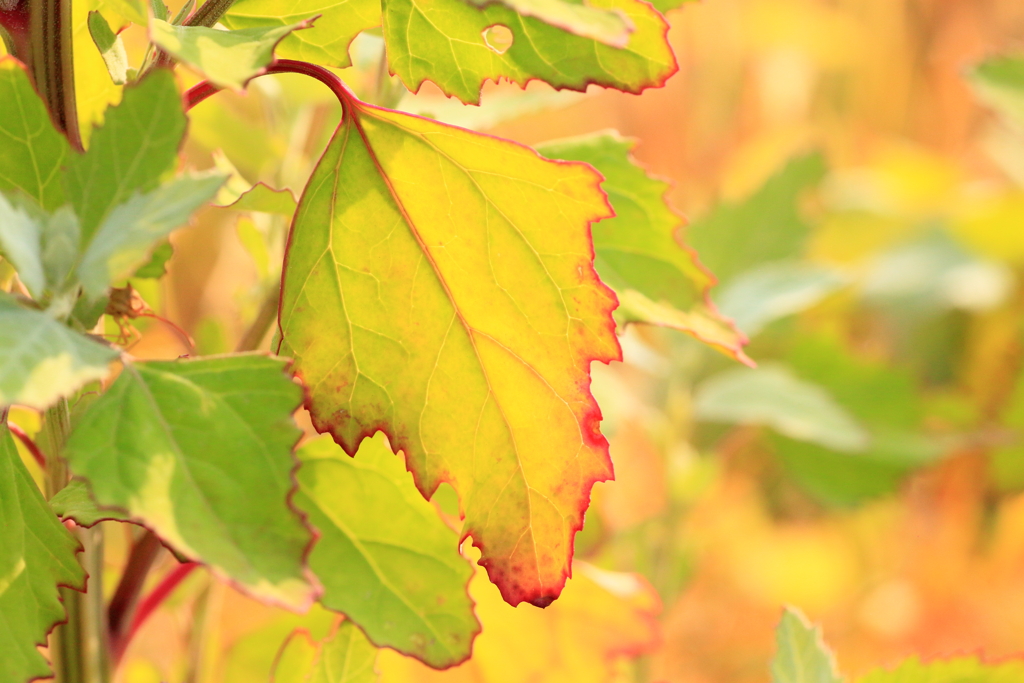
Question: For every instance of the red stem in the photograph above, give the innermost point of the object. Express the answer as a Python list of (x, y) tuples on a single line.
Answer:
[(149, 603), (29, 444), (200, 92)]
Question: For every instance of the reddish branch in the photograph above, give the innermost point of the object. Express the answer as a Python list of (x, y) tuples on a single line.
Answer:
[(29, 444), (200, 92)]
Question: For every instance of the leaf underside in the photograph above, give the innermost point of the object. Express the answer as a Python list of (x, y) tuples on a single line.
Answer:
[(37, 555), (439, 286), (200, 452)]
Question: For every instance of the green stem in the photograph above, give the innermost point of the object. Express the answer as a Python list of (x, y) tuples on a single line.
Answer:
[(254, 334), (210, 13)]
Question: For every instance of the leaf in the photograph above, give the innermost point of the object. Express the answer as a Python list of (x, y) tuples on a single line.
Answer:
[(638, 252), (60, 239), (801, 655), (156, 267), (772, 396), (346, 656), (199, 451), (226, 58), (110, 46), (31, 150), (132, 10), (20, 237), (136, 145), (75, 502), (602, 620), (262, 197), (999, 82), (42, 359), (384, 557), (126, 238), (325, 43), (959, 670), (605, 26), (763, 228), (776, 290), (452, 43), (664, 6), (37, 555), (439, 286)]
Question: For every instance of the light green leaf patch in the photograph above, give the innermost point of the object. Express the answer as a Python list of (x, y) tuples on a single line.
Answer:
[(31, 150), (127, 237), (110, 46), (226, 58), (776, 290), (801, 655), (326, 43), (37, 555), (459, 47), (20, 237), (385, 558), (346, 656), (262, 197), (606, 26), (75, 502), (200, 452), (770, 395), (42, 359), (959, 670), (999, 81), (137, 144)]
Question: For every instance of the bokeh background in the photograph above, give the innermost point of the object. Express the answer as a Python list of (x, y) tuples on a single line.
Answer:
[(859, 197)]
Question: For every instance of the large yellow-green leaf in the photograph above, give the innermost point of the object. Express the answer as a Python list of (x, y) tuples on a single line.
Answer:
[(385, 558), (200, 452), (43, 360), (439, 286), (459, 46), (959, 670), (31, 150), (639, 253), (37, 554), (325, 43), (346, 656), (603, 25)]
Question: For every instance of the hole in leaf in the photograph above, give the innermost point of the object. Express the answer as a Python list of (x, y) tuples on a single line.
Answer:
[(498, 37)]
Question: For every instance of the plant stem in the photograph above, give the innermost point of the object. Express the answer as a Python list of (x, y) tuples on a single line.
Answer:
[(210, 13), (143, 554), (266, 316), (51, 61)]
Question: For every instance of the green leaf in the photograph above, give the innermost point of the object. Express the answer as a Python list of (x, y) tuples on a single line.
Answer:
[(959, 670), (37, 555), (439, 286), (60, 240), (638, 252), (110, 46), (776, 290), (770, 395), (156, 267), (605, 26), (226, 58), (125, 240), (75, 501), (999, 82), (262, 197), (459, 47), (668, 5), (385, 558), (136, 145), (325, 43), (42, 359), (200, 452), (801, 655), (20, 237), (344, 657), (132, 10), (765, 227), (31, 150)]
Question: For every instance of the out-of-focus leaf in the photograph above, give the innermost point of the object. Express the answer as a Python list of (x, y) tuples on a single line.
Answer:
[(200, 452), (384, 557), (770, 395), (262, 197), (44, 360), (136, 145), (658, 281), (344, 657), (31, 150), (776, 290), (884, 400), (156, 267), (960, 670), (126, 238), (765, 227), (326, 43), (999, 81), (132, 10), (60, 240), (226, 58), (667, 5), (438, 278), (603, 25), (601, 619), (20, 237), (459, 47), (801, 655), (75, 502), (37, 556), (110, 46)]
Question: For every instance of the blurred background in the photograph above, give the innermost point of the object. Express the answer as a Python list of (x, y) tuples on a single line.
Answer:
[(858, 194)]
